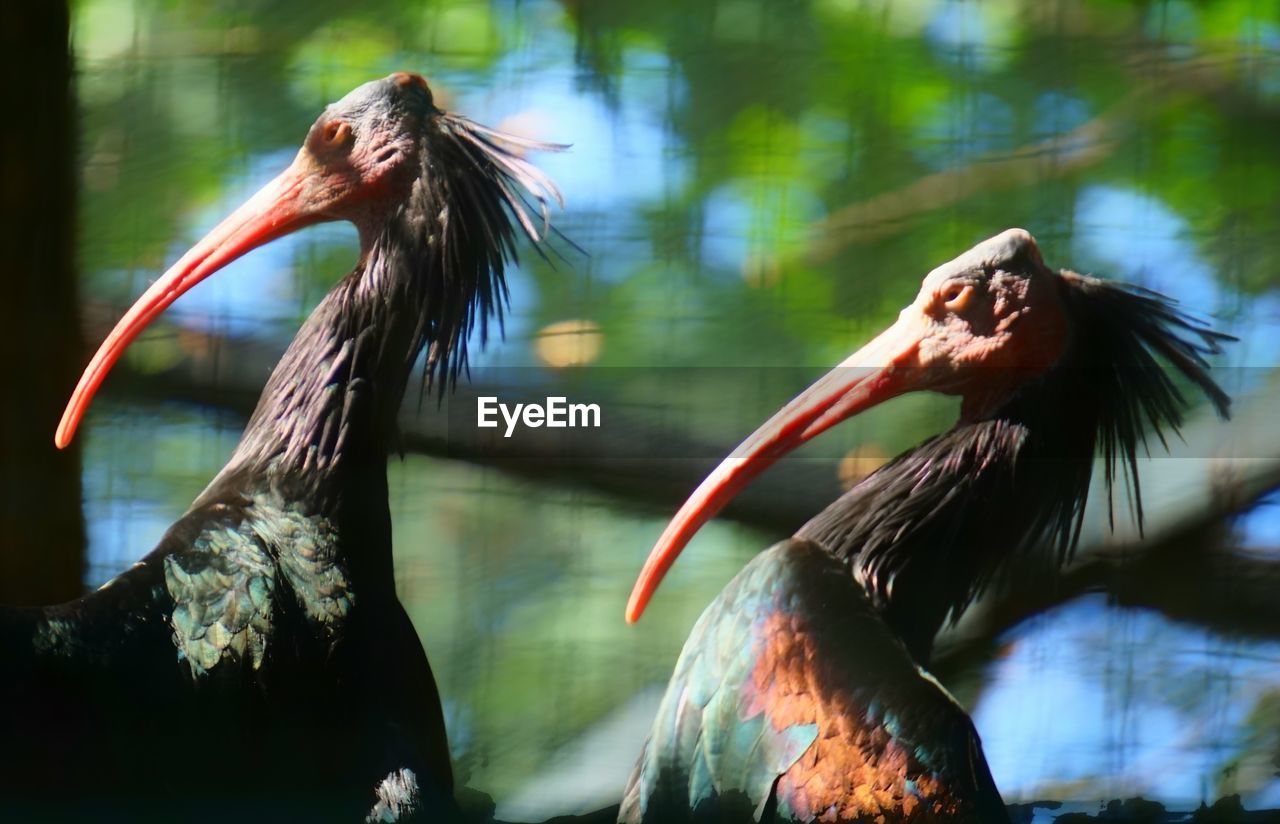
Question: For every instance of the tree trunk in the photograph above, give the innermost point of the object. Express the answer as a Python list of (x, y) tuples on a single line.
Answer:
[(41, 524)]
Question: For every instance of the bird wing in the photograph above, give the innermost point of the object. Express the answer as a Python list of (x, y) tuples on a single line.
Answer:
[(792, 701)]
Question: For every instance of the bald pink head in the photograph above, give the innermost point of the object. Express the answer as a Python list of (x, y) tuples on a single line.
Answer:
[(354, 158), (982, 324)]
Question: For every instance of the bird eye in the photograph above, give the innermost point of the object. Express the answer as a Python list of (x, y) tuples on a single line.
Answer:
[(956, 296), (336, 133)]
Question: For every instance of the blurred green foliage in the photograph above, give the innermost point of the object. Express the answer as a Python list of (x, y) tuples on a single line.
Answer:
[(775, 177)]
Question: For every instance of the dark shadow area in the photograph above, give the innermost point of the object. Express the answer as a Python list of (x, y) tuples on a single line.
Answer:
[(41, 551)]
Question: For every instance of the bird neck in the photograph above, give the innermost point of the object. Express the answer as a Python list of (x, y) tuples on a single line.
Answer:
[(931, 530), (320, 434)]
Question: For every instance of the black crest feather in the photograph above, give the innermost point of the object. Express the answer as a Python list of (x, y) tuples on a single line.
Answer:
[(1125, 332), (479, 194)]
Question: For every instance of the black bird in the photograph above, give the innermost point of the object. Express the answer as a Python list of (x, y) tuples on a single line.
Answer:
[(801, 693), (257, 662)]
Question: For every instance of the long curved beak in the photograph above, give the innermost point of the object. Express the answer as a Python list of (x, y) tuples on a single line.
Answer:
[(883, 369), (276, 210)]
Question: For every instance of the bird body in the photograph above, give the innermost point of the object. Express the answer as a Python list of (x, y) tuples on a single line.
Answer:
[(222, 669), (801, 693), (257, 661), (793, 701)]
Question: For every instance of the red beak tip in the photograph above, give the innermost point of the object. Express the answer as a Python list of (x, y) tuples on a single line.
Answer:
[(66, 432), (635, 608)]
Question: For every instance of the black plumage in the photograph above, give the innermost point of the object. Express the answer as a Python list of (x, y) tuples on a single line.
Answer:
[(257, 662)]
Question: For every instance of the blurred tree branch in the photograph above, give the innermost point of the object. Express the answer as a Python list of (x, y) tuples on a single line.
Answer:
[(1193, 575), (887, 213), (630, 458), (1186, 567), (1055, 158)]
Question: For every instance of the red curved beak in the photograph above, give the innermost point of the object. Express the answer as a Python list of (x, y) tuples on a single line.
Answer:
[(278, 209), (881, 370)]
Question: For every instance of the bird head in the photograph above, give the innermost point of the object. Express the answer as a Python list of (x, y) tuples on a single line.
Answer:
[(991, 326), (383, 150)]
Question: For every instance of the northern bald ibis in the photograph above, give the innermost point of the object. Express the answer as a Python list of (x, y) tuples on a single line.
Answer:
[(257, 662), (801, 694)]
